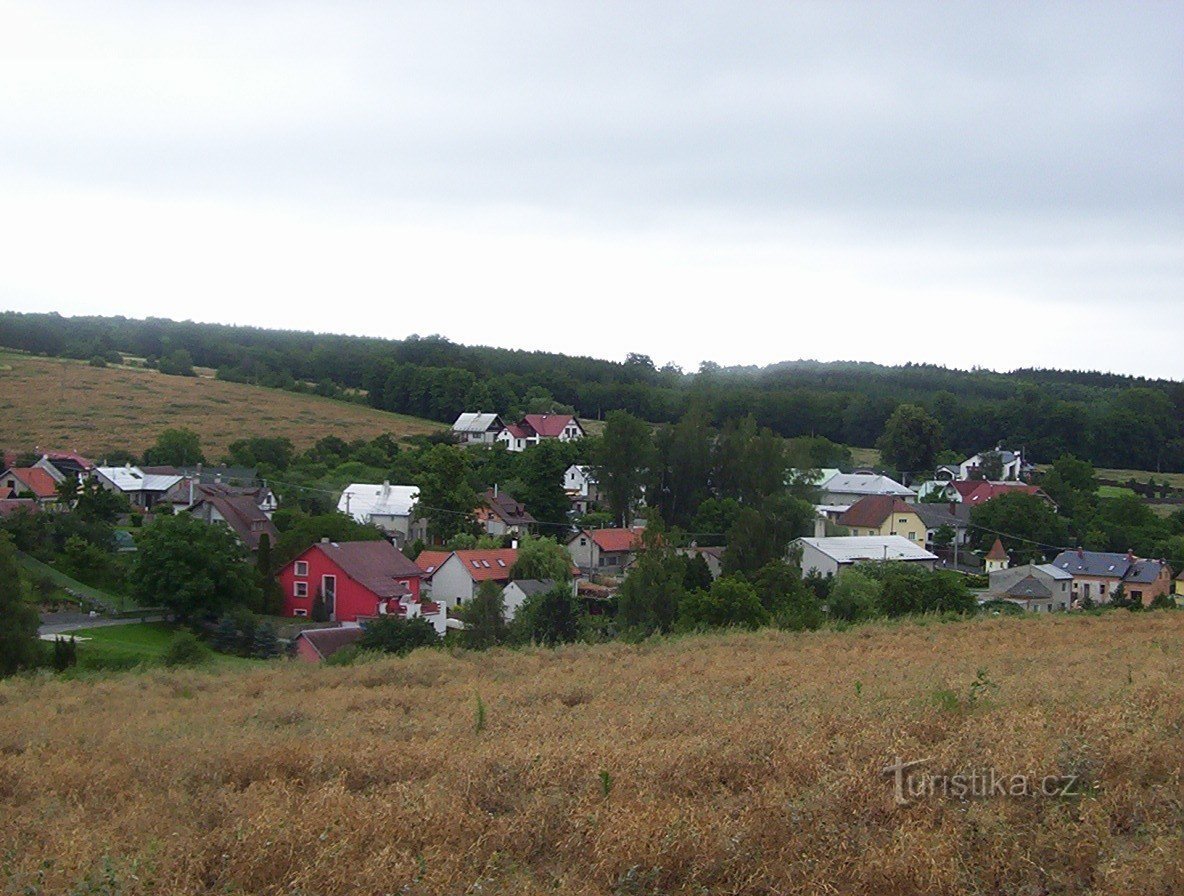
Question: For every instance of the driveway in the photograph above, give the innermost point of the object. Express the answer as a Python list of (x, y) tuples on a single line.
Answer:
[(61, 623)]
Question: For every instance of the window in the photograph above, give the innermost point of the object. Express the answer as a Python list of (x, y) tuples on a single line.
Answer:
[(301, 567), (583, 542), (300, 589), (300, 612)]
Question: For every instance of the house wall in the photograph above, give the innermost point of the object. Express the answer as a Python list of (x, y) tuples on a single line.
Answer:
[(513, 598), (1148, 593), (909, 525), (353, 599), (584, 551), (814, 561), (305, 652), (451, 583)]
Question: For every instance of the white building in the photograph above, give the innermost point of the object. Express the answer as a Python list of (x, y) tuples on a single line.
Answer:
[(477, 429), (142, 489), (1013, 464), (826, 556), (389, 507)]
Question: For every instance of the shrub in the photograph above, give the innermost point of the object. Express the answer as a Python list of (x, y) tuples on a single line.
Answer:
[(185, 650), (391, 634)]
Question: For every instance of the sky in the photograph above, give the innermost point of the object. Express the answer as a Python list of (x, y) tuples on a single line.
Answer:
[(971, 184)]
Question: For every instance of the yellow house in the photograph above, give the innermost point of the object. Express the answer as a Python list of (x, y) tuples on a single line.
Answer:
[(1178, 588), (884, 515)]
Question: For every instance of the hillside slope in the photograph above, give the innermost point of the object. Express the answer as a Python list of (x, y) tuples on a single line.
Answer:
[(56, 403), (736, 763)]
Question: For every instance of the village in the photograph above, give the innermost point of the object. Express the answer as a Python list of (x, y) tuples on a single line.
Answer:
[(332, 588)]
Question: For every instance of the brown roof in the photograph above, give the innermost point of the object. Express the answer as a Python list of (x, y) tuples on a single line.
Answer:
[(243, 515), (505, 508), (997, 552), (9, 506), (327, 641), (488, 566), (373, 564), (549, 426), (613, 540), (873, 510), (36, 480), (429, 561)]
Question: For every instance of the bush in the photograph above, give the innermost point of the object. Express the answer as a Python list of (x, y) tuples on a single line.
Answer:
[(391, 634), (346, 656), (185, 650)]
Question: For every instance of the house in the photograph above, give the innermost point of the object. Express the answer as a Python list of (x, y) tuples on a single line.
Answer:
[(1014, 466), (848, 488), (357, 579), (31, 483), (937, 516), (534, 428), (579, 482), (63, 465), (515, 593), (1041, 587), (1097, 575), (500, 514), (996, 558), (973, 492), (712, 556), (826, 556), (884, 515), (477, 429), (430, 561), (314, 645), (389, 507), (456, 578), (603, 550), (194, 490), (9, 506), (142, 488), (240, 513)]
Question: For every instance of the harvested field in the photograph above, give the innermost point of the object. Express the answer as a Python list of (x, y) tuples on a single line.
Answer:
[(56, 403), (735, 763)]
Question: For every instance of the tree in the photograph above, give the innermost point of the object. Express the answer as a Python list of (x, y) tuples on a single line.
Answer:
[(19, 647), (265, 644), (392, 634), (178, 447), (193, 569), (542, 558), (762, 536), (485, 618), (728, 602), (271, 451), (990, 466), (621, 463), (446, 499), (94, 503), (786, 597), (1032, 527), (906, 588), (299, 531), (1072, 484), (550, 618), (911, 439), (177, 363), (698, 574), (681, 473), (854, 596), (649, 597), (540, 470)]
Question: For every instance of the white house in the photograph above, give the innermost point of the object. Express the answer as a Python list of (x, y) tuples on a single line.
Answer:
[(534, 428), (389, 507), (457, 578), (514, 595), (477, 429), (1014, 465), (826, 556), (849, 488), (1040, 587)]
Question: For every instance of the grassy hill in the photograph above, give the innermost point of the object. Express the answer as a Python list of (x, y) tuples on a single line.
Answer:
[(56, 403), (735, 763)]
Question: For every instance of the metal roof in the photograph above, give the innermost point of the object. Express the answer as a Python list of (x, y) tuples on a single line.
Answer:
[(362, 500), (133, 479), (866, 484), (853, 548), (470, 422)]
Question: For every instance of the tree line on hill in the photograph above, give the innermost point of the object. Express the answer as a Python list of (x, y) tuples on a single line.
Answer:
[(1111, 420)]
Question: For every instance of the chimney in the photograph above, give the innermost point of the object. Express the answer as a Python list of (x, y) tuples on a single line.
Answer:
[(325, 540), (1130, 556), (495, 489), (1080, 554), (514, 544)]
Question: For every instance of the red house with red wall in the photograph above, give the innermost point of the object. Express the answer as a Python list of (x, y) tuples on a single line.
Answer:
[(357, 578)]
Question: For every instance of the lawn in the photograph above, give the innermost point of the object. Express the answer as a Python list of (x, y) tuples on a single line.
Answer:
[(1114, 491), (58, 403), (116, 647)]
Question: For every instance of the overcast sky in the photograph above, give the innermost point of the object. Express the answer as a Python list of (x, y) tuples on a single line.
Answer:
[(984, 184)]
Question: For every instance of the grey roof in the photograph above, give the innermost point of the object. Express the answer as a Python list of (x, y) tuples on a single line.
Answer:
[(1031, 587), (865, 484), (1054, 572), (1109, 566), (934, 516), (476, 422), (531, 587), (853, 548)]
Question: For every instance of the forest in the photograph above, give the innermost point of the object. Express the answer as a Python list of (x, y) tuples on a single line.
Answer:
[(1113, 421)]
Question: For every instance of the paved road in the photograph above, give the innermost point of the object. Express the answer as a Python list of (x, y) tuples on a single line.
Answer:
[(60, 623)]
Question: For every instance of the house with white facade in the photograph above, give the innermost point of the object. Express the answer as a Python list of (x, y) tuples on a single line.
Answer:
[(142, 489), (1013, 465), (846, 489), (389, 507), (534, 428)]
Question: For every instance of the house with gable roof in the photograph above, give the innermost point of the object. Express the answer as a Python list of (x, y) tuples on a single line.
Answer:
[(1097, 575), (389, 507), (607, 551), (845, 489), (455, 579), (500, 514), (357, 579), (884, 515), (534, 428), (142, 488), (31, 483), (477, 429), (1039, 587)]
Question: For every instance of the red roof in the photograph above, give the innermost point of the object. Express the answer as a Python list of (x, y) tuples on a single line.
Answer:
[(615, 539), (518, 432), (997, 552), (85, 462), (488, 566), (870, 512), (36, 480), (549, 426), (980, 491), (429, 561)]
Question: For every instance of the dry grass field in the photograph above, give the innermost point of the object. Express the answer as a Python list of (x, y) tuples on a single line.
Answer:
[(736, 763), (56, 403)]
